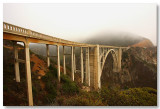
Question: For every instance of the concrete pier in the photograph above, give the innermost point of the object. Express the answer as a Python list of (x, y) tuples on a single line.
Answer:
[(58, 63), (64, 61), (16, 63), (48, 59), (28, 75), (82, 70), (72, 63)]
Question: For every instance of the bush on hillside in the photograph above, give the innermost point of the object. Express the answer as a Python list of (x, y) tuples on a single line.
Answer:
[(130, 97), (50, 80), (85, 99), (68, 86)]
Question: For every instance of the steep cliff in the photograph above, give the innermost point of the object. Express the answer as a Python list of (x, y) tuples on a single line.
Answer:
[(139, 69)]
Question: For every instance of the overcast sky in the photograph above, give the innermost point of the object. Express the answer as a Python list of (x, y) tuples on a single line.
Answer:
[(79, 21)]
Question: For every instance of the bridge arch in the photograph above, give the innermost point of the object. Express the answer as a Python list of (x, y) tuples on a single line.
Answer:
[(116, 55), (109, 65), (115, 59)]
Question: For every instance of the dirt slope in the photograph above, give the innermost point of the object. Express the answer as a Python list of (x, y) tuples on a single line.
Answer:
[(143, 43)]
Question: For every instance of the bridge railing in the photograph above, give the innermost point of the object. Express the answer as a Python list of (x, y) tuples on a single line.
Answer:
[(29, 33), (9, 28), (14, 29)]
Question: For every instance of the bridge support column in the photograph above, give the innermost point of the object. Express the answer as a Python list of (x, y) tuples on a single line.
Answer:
[(96, 64), (74, 59), (72, 62), (48, 59), (58, 63), (64, 61), (28, 75), (82, 76), (16, 64), (115, 62), (119, 59), (87, 67)]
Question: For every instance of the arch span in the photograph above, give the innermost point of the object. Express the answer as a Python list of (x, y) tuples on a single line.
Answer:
[(115, 59)]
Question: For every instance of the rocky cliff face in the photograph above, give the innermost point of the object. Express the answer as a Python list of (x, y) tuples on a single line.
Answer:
[(139, 69)]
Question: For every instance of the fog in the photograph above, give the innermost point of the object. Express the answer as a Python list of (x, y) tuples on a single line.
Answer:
[(77, 22)]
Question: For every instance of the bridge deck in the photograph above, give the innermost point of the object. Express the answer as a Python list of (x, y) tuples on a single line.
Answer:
[(23, 32)]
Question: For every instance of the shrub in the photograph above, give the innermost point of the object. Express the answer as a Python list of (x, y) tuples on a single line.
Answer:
[(49, 99), (68, 86), (53, 70), (65, 79), (50, 80), (93, 97), (50, 75), (85, 99), (142, 96), (51, 90), (109, 96), (60, 101), (150, 90), (77, 102), (125, 55), (35, 91), (130, 97)]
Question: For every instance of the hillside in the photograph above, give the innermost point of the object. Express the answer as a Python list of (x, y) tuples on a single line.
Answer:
[(121, 88), (118, 39), (139, 69), (143, 43)]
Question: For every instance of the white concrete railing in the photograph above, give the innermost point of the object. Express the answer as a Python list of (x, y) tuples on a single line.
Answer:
[(29, 33)]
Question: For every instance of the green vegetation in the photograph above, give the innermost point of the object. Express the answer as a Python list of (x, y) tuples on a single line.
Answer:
[(92, 98), (50, 84), (131, 97), (112, 97), (69, 87), (68, 93), (125, 55)]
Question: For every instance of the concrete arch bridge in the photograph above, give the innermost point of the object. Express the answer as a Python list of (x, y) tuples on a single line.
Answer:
[(91, 66)]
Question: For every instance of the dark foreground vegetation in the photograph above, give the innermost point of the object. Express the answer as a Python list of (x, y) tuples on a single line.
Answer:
[(68, 93)]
